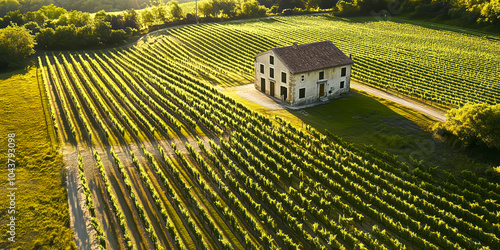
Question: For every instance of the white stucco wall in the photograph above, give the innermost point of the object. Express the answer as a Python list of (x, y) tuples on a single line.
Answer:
[(312, 83), (278, 68), (294, 83)]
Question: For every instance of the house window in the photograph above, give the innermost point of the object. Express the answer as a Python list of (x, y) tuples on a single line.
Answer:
[(283, 77), (262, 68), (302, 78), (283, 93), (302, 92), (322, 75), (271, 72), (344, 71), (342, 84), (271, 60)]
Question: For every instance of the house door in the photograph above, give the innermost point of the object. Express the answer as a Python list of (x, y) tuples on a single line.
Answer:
[(321, 89), (283, 93), (263, 84), (272, 89)]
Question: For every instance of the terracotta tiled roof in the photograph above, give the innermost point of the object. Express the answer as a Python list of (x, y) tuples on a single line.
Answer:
[(312, 56)]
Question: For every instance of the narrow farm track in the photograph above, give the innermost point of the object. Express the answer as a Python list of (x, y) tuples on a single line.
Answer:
[(85, 235), (149, 207), (121, 195), (424, 109), (173, 163)]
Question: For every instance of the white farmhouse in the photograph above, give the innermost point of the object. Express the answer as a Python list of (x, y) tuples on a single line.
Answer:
[(301, 74)]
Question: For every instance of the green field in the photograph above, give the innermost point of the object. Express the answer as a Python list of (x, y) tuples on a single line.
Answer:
[(445, 65), (168, 161), (41, 207), (173, 163)]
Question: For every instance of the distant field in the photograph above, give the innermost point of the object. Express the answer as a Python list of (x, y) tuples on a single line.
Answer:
[(445, 65), (187, 6), (169, 162)]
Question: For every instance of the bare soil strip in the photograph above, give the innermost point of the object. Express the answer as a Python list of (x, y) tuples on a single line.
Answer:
[(79, 214)]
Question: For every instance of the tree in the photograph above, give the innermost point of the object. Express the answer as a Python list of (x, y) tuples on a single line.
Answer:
[(78, 18), (102, 16), (269, 3), (52, 12), (117, 36), (160, 13), (33, 27), (491, 11), (474, 124), (147, 17), (348, 8), (65, 37), (85, 36), (16, 42), (290, 4), (327, 4), (34, 16), (207, 9), (251, 8), (274, 9), (216, 8), (155, 2), (45, 37), (226, 7), (175, 10), (132, 19), (118, 21), (12, 17), (312, 4), (63, 20), (102, 30), (8, 5)]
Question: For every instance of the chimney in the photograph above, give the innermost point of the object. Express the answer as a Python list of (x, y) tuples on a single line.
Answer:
[(294, 45)]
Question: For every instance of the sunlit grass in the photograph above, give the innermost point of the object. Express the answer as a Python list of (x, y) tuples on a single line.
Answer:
[(42, 217)]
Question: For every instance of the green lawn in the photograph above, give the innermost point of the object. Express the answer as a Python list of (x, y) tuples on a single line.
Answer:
[(41, 207), (362, 119)]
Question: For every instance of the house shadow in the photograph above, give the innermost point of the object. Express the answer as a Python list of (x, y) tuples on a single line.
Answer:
[(14, 69), (365, 120)]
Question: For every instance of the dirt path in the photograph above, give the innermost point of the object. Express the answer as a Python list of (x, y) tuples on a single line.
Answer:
[(422, 108), (249, 92), (79, 214)]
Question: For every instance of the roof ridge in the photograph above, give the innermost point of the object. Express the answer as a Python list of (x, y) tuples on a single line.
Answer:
[(310, 56), (300, 45)]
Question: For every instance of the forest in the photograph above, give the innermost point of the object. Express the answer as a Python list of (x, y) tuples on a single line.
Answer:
[(81, 5)]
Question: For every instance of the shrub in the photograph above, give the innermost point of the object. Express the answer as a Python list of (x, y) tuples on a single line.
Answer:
[(473, 124)]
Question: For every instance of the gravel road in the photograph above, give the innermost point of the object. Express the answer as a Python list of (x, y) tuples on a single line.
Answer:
[(422, 108), (249, 92)]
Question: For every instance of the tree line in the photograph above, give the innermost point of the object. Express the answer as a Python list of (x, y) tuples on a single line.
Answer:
[(463, 12), (81, 5), (52, 27)]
